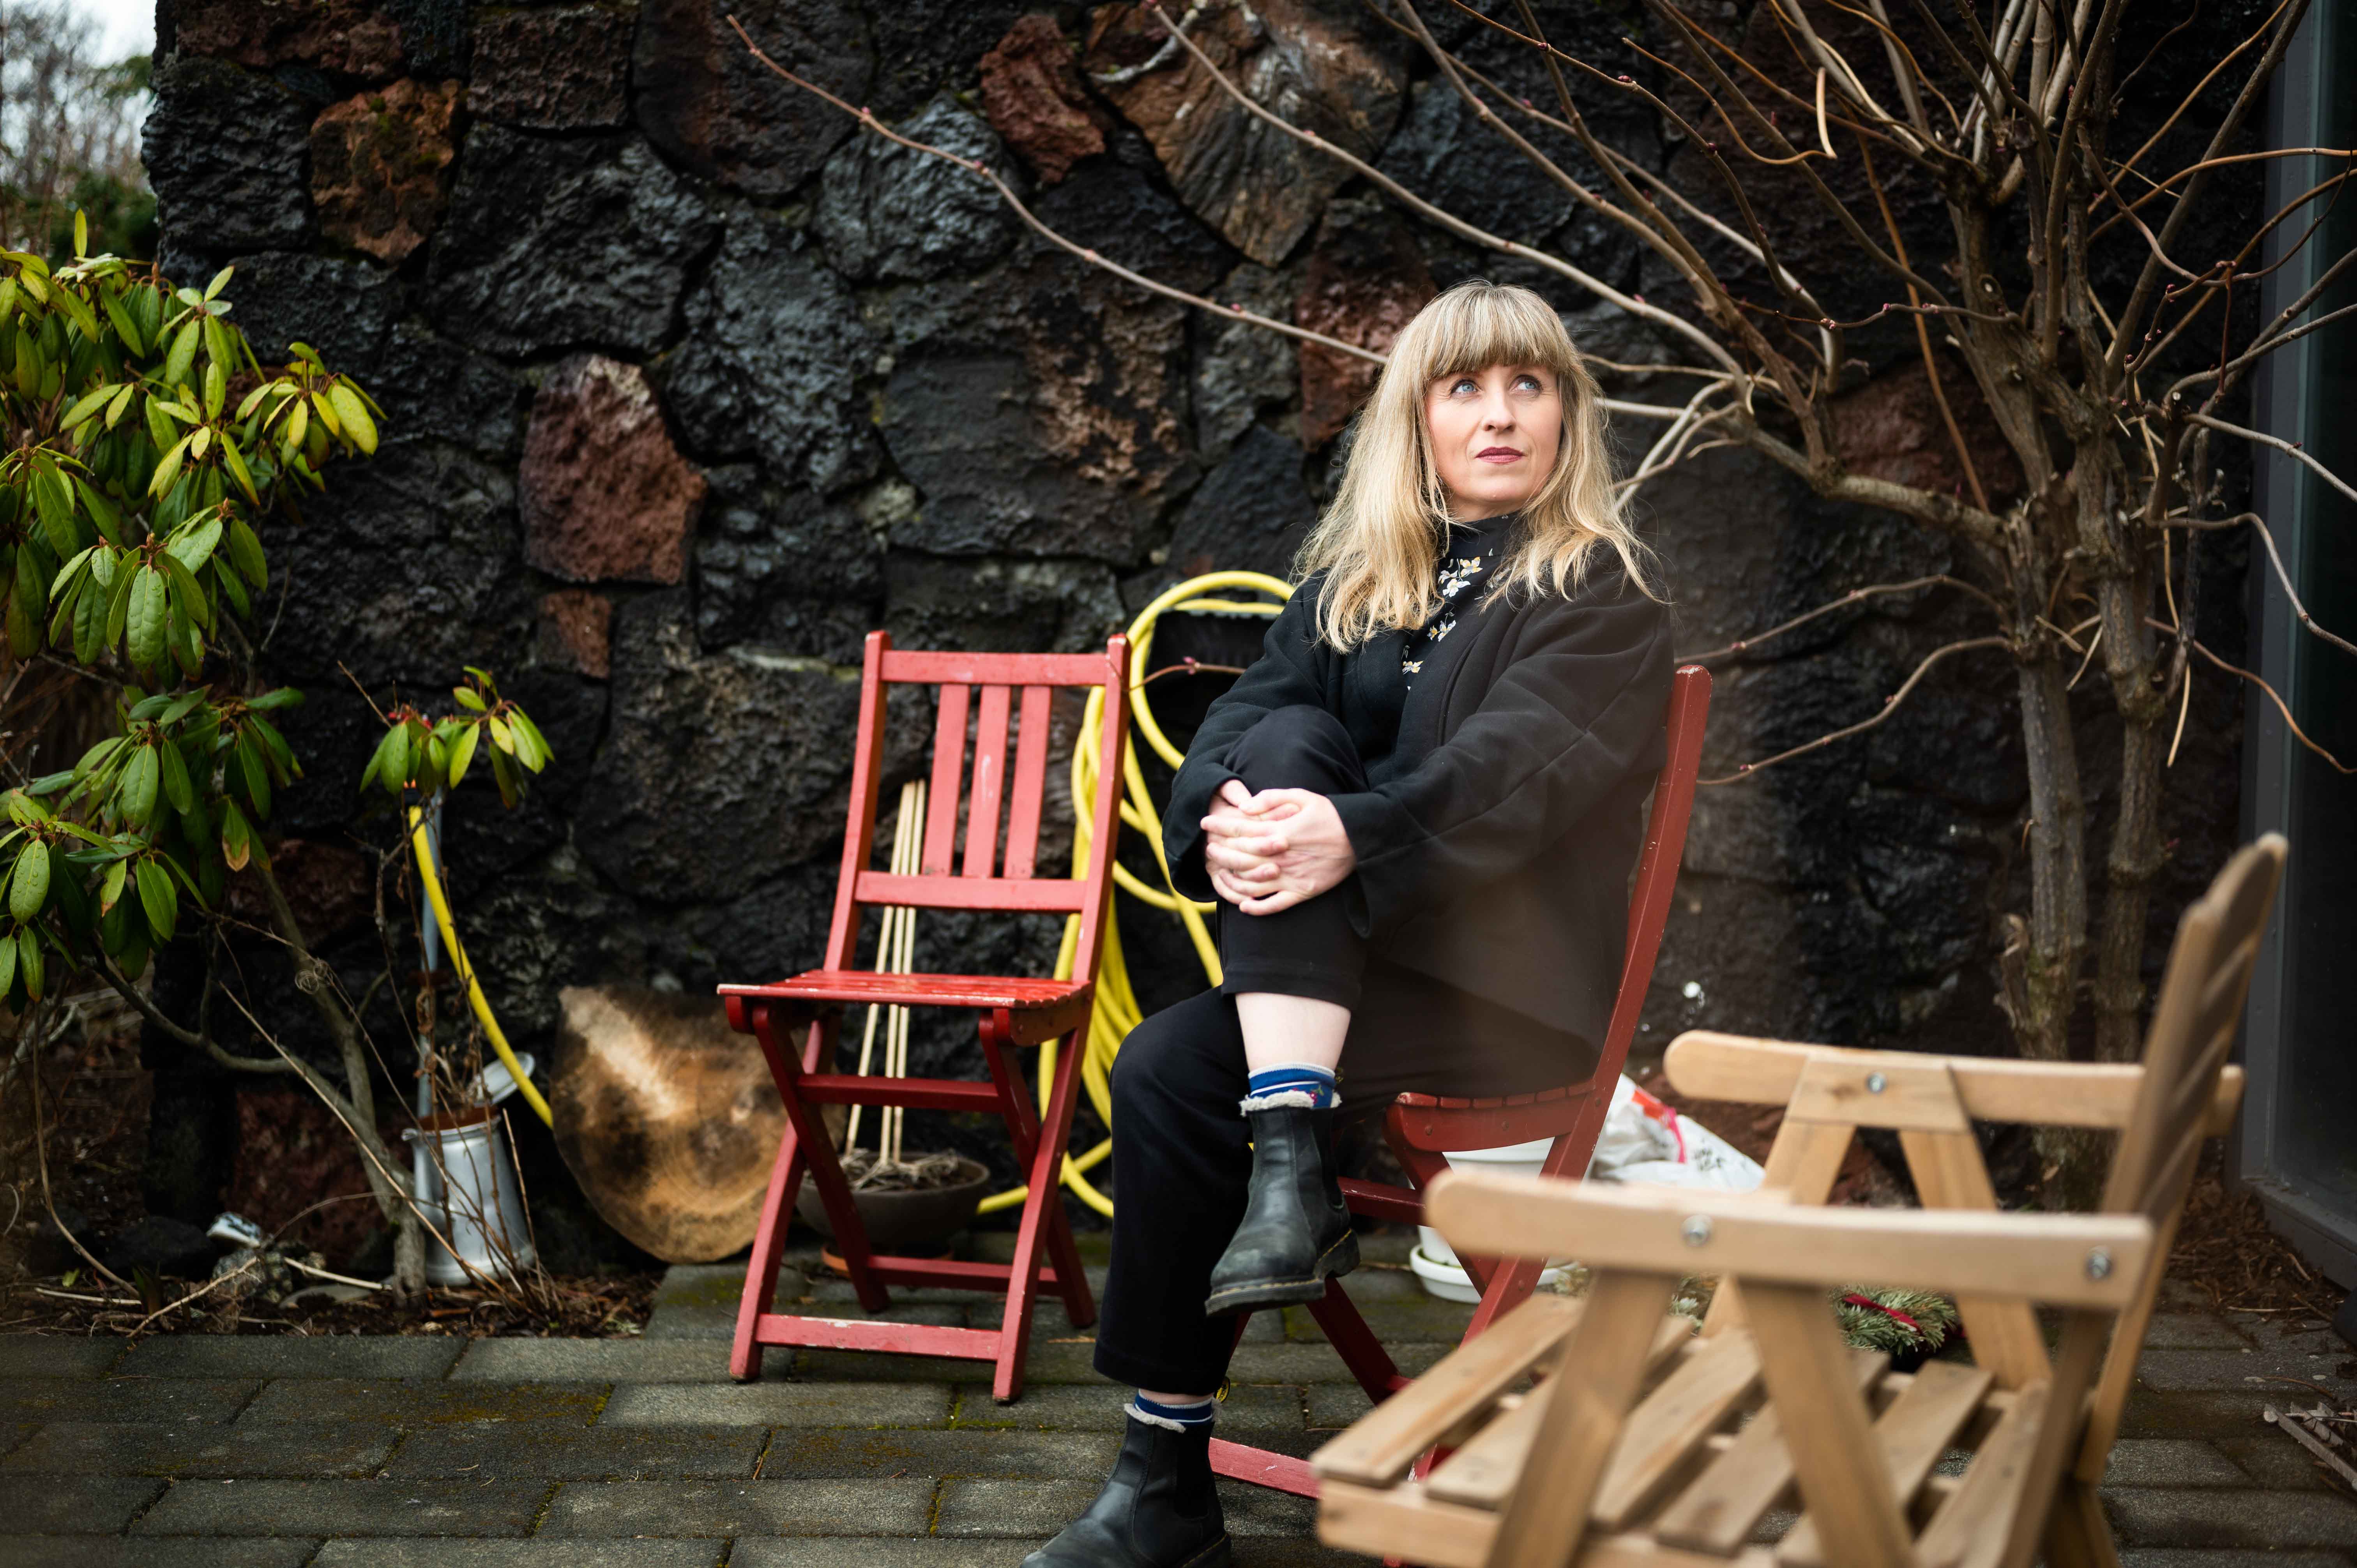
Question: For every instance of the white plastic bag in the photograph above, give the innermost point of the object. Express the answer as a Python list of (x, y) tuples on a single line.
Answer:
[(1645, 1141)]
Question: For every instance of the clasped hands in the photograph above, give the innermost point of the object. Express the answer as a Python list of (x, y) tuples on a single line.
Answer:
[(1270, 850)]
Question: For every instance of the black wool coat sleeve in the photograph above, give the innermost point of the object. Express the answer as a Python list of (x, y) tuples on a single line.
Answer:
[(1502, 819)]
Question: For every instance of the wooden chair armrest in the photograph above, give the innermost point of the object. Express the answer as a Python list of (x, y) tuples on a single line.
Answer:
[(1708, 1065), (2094, 1261)]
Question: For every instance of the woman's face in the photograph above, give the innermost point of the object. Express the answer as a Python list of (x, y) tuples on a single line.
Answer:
[(1494, 435)]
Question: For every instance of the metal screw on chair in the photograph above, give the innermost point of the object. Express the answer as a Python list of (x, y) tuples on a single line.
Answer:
[(1876, 1083), (1696, 1231), (2099, 1264)]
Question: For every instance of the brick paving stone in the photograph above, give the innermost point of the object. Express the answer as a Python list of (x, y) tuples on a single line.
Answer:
[(925, 1552), (2191, 1331), (2151, 1413), (1081, 1407), (778, 1404), (1300, 1363), (289, 1448), (1426, 1321), (539, 1553), (718, 1284), (2198, 1371), (694, 1323), (740, 1507), (1333, 1406), (291, 1355), (122, 1399), (601, 1361), (346, 1508), (54, 1355), (582, 1453), (74, 1505), (988, 1507), (412, 1402), (113, 1551), (2248, 1518), (2170, 1462), (1042, 1456), (2274, 1461)]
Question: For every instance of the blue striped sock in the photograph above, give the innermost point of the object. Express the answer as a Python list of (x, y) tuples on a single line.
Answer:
[(1296, 1078), (1187, 1415)]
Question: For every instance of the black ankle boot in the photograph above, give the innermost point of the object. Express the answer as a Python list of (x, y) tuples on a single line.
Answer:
[(1159, 1510), (1296, 1230)]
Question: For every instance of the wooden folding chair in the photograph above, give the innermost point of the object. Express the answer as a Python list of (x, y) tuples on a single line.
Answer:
[(1011, 1012), (1648, 1443), (1422, 1128)]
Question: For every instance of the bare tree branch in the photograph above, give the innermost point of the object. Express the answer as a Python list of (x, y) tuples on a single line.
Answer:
[(1890, 706), (2282, 575), (1855, 596), (2290, 448)]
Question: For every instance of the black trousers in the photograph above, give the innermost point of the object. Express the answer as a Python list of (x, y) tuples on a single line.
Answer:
[(1181, 1159)]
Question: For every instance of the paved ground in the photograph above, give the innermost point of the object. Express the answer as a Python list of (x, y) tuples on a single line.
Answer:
[(371, 1452)]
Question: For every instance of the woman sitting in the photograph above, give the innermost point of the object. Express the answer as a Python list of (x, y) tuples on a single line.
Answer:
[(1418, 810)]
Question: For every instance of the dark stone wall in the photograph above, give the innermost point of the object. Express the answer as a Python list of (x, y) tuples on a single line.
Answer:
[(688, 385)]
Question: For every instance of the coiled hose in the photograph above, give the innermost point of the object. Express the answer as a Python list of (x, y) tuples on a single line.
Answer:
[(1116, 1010)]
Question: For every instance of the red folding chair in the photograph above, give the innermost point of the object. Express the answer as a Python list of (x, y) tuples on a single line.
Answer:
[(1011, 1012), (1421, 1128)]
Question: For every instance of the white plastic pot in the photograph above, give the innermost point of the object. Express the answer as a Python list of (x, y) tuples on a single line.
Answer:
[(470, 1194), (1434, 1261)]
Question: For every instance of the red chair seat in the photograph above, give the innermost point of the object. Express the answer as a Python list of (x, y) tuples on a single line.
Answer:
[(1013, 994)]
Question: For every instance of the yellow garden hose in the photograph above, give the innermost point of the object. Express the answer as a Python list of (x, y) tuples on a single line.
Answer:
[(1116, 1010), (424, 849)]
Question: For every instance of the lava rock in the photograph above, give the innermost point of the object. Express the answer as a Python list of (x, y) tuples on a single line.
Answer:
[(1034, 98), (604, 495), (1250, 515), (563, 69), (349, 38), (717, 110), (434, 389), (780, 567), (1257, 184), (921, 50), (775, 349), (381, 166), (718, 770), (1893, 428), (1001, 607), (576, 631), (1243, 369), (162, 1246), (328, 886), (224, 151), (889, 214), (551, 242), (1365, 281), (342, 308), (1112, 205)]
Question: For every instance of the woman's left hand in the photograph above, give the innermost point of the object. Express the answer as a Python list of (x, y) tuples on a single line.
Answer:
[(1271, 850)]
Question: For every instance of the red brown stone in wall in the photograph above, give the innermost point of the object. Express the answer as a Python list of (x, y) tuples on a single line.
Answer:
[(563, 69), (352, 37), (577, 632), (381, 166), (605, 495), (1033, 96), (1365, 281)]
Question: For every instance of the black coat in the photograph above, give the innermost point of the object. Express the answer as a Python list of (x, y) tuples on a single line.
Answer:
[(1507, 791)]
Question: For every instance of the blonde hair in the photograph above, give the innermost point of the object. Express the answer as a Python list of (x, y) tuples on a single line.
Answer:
[(1381, 537)]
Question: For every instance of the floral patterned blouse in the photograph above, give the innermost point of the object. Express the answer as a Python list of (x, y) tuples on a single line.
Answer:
[(1471, 552)]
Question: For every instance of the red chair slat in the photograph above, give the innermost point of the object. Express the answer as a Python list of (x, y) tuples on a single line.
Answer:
[(1029, 791), (949, 766), (945, 669), (989, 783), (957, 893)]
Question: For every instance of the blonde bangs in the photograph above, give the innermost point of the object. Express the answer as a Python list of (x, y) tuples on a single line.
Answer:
[(1380, 539)]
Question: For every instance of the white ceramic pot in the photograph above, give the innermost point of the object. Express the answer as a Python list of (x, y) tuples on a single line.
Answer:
[(1434, 1261)]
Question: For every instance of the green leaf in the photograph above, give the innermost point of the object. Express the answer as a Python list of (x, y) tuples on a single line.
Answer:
[(245, 554), (183, 354), (257, 776), (175, 771), (49, 783), (467, 697), (193, 544), (8, 965), (159, 898), (358, 425), (235, 461), (102, 510), (28, 961), (136, 793), (160, 428), (146, 624), (67, 574), (275, 744), (181, 705), (125, 327), (216, 388), (82, 233), (86, 405), (220, 281), (114, 411), (28, 890), (384, 763), (272, 701), (168, 468), (118, 606), (500, 736), (110, 888), (236, 837), (462, 752), (189, 595)]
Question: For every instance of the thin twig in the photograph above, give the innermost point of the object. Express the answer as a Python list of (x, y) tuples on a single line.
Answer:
[(2290, 448), (1890, 706), (2274, 696), (2282, 575), (1745, 645)]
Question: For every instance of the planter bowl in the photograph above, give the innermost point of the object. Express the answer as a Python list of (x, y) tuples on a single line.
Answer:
[(907, 1222)]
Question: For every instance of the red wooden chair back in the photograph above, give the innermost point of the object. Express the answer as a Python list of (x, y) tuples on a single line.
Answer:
[(1004, 786), (1422, 1128)]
